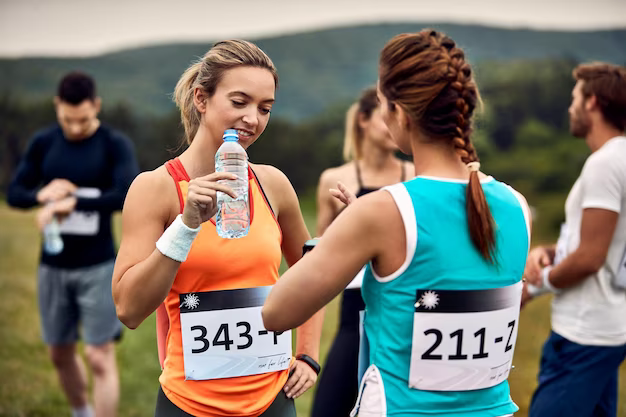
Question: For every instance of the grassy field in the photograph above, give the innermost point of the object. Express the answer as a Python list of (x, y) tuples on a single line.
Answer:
[(28, 385)]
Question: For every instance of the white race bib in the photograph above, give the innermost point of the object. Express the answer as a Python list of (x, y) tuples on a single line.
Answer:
[(620, 277), (464, 340), (223, 335), (560, 252), (83, 223)]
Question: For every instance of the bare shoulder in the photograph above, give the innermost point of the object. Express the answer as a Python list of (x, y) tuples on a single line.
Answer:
[(277, 187), (378, 200), (270, 176), (373, 207), (152, 191), (343, 173), (375, 221), (151, 182)]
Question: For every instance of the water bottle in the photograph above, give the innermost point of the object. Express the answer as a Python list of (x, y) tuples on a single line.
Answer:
[(52, 241), (233, 214)]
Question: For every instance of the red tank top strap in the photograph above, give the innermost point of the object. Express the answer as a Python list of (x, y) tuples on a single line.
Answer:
[(177, 172), (253, 177)]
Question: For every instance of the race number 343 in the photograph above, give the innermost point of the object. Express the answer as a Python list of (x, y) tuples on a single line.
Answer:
[(223, 335), (223, 338)]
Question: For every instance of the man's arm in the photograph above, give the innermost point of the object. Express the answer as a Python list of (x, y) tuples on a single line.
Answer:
[(603, 183), (22, 191), (124, 171), (596, 232)]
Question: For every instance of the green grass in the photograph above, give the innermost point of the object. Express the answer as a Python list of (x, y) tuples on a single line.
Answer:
[(28, 384)]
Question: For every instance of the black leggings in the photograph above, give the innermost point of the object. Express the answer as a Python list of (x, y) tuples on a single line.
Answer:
[(337, 387), (281, 407)]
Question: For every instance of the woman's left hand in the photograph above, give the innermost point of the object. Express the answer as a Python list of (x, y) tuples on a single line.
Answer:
[(302, 378), (342, 194)]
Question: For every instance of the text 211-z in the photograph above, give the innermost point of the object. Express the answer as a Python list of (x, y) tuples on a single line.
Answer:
[(428, 355)]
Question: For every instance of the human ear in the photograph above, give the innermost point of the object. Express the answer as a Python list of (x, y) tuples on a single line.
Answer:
[(97, 102), (402, 116), (199, 99), (591, 103)]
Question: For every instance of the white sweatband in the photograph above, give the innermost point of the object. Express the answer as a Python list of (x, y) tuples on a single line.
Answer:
[(176, 241), (535, 291), (545, 278)]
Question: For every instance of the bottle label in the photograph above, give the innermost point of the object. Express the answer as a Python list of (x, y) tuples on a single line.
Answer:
[(232, 155)]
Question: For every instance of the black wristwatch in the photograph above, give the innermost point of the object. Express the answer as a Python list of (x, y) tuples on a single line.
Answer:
[(310, 361), (309, 245)]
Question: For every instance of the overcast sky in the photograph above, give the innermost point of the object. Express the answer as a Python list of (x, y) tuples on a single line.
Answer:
[(89, 27)]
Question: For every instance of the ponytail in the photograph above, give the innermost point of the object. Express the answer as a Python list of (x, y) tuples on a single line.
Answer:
[(479, 218), (351, 149), (183, 97)]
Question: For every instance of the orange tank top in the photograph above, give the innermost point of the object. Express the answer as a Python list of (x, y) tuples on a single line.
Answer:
[(217, 264)]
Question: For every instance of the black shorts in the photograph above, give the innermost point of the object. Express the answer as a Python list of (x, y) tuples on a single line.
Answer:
[(281, 407)]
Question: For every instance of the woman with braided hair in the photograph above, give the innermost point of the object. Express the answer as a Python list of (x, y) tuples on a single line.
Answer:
[(445, 252)]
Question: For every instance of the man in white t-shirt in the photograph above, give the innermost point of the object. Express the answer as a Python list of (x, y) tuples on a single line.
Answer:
[(580, 360)]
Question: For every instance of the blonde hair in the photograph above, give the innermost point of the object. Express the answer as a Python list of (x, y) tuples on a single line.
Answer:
[(208, 72), (353, 137)]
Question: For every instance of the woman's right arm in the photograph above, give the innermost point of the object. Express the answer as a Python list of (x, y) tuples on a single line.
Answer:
[(143, 276)]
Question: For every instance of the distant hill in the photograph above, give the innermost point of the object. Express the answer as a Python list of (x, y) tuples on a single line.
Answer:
[(315, 68)]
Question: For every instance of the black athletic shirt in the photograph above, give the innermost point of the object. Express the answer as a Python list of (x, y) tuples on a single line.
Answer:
[(105, 161), (366, 190)]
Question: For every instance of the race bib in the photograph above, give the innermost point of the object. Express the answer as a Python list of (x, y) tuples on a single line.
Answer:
[(463, 340), (223, 335), (83, 223), (620, 277), (560, 252)]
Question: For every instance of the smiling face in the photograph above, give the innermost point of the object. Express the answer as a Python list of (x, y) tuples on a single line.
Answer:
[(242, 100)]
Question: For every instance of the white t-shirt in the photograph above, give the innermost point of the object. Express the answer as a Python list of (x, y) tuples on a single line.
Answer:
[(594, 311)]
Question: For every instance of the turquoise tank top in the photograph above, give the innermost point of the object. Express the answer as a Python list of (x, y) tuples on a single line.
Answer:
[(440, 256)]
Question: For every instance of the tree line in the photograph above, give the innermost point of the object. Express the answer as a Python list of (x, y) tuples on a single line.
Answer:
[(521, 135)]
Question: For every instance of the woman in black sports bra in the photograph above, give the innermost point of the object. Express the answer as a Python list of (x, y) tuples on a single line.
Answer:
[(370, 153)]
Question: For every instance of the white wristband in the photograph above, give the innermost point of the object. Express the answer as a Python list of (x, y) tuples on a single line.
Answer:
[(535, 291), (545, 278), (176, 241)]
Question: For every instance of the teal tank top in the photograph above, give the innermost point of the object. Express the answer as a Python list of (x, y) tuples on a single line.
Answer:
[(440, 256)]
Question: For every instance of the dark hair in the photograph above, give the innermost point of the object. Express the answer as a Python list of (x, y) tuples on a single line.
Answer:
[(353, 139), (76, 87), (426, 74), (608, 83)]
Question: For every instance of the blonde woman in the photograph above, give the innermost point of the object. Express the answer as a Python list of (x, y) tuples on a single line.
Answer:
[(219, 360), (371, 164)]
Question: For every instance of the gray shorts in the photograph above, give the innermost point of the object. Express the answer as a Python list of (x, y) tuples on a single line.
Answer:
[(69, 296)]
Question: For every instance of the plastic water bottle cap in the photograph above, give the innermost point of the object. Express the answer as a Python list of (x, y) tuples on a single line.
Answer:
[(230, 135)]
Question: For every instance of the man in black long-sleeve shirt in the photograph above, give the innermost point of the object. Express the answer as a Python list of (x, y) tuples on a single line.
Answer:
[(78, 172)]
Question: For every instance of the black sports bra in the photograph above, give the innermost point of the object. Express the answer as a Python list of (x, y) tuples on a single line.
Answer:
[(366, 190)]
